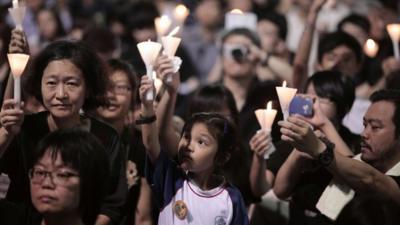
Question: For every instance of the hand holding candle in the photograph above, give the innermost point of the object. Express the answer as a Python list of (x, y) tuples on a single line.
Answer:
[(394, 33), (371, 48), (285, 96), (266, 118), (170, 45), (149, 52), (17, 13), (17, 63)]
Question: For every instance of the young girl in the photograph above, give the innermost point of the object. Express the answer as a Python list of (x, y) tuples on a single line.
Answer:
[(191, 191)]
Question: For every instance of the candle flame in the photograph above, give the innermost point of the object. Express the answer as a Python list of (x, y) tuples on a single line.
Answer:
[(269, 105), (162, 24), (284, 84), (174, 31), (181, 11), (371, 48), (394, 31), (237, 11)]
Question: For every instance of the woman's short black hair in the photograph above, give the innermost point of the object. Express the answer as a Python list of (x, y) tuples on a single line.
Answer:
[(83, 152), (333, 40), (213, 98), (83, 58), (115, 65), (278, 20), (221, 128), (336, 87)]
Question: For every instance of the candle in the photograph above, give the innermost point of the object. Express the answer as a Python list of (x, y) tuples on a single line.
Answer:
[(266, 118), (149, 51), (162, 25), (394, 33), (180, 13), (170, 45), (17, 63), (285, 96), (17, 13), (15, 4), (238, 19), (371, 48)]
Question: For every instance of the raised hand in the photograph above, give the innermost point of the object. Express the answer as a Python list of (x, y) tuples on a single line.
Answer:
[(11, 118), (260, 143), (18, 43), (165, 70), (318, 119)]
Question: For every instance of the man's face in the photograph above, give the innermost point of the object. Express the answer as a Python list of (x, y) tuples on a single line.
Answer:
[(342, 59), (379, 142), (269, 35)]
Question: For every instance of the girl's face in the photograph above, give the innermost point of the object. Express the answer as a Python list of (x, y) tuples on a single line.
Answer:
[(119, 96), (327, 106), (63, 89), (197, 150), (55, 187)]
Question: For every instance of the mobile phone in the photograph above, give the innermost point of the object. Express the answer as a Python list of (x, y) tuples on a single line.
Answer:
[(302, 106)]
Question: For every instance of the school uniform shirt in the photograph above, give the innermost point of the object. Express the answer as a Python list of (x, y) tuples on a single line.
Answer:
[(222, 205)]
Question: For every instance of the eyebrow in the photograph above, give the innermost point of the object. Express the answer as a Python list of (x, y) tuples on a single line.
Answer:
[(369, 120)]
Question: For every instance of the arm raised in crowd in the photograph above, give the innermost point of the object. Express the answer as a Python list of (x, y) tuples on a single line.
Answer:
[(166, 107), (360, 176), (303, 52), (149, 130)]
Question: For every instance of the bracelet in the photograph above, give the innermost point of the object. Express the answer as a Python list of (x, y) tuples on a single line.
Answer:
[(146, 120)]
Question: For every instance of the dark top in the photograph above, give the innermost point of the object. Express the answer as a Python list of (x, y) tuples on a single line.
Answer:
[(17, 160), (135, 152)]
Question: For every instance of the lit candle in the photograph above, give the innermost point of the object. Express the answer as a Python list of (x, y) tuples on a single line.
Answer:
[(285, 96), (149, 51), (180, 13), (162, 25), (371, 48), (15, 4), (17, 63), (266, 118), (170, 45), (238, 19), (394, 33), (17, 13)]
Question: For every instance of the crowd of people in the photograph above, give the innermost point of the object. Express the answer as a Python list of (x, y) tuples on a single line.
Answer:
[(86, 145)]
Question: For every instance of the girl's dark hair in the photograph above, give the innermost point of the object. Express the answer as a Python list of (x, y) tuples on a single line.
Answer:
[(336, 87), (213, 98), (83, 152), (221, 128), (115, 65), (84, 59)]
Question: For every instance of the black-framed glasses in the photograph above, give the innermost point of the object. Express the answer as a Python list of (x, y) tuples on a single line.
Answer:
[(59, 177)]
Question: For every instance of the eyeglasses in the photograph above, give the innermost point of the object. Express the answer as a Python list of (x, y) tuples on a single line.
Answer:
[(57, 177), (120, 89)]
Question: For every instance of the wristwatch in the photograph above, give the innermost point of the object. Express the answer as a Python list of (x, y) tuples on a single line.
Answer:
[(326, 157), (145, 120)]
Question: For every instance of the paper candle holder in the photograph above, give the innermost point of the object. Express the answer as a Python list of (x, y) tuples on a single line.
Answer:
[(285, 96)]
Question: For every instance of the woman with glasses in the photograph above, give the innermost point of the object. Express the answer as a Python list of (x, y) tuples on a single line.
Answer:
[(121, 97), (67, 78), (67, 181)]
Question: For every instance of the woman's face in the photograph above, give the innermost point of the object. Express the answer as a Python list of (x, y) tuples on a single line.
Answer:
[(47, 24), (119, 96), (55, 187), (327, 106), (63, 89)]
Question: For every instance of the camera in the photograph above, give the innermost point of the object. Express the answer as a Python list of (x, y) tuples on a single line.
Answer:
[(301, 106), (237, 52)]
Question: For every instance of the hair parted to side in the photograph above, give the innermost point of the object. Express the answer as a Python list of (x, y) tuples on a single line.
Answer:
[(84, 58), (83, 152), (221, 128), (393, 96)]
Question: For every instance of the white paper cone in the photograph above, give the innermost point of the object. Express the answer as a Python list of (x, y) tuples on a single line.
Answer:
[(285, 96), (170, 45), (17, 63), (149, 51)]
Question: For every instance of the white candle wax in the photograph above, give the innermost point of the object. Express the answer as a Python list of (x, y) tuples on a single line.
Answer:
[(394, 33), (371, 48), (285, 96), (266, 117)]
